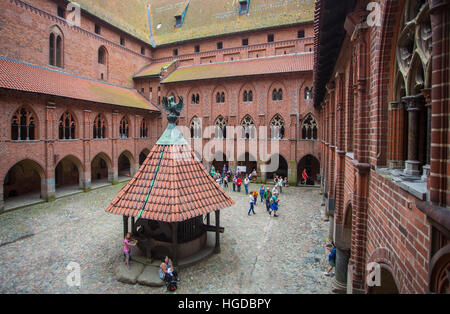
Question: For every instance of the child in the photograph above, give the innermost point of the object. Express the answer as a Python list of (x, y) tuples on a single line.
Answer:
[(127, 242), (252, 200), (331, 259), (255, 198)]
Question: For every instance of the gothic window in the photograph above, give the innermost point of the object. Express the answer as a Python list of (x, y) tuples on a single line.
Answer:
[(66, 126), (245, 97), (195, 99), (412, 77), (309, 128), (220, 127), (218, 98), (124, 128), (274, 95), (56, 47), (277, 128), (222, 97), (308, 93), (23, 127), (99, 129), (196, 128), (144, 129), (250, 96), (280, 94), (248, 125)]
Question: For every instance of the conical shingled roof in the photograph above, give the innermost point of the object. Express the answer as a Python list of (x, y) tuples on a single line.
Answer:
[(172, 185)]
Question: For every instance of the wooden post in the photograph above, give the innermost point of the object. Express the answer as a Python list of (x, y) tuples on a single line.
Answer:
[(125, 225), (174, 243), (132, 224), (217, 246)]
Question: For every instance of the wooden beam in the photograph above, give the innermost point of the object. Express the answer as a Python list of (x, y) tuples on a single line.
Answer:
[(217, 246), (175, 243), (210, 228), (125, 225)]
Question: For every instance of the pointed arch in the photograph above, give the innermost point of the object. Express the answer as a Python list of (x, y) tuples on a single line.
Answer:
[(195, 127), (248, 125), (24, 125), (309, 128), (67, 127), (220, 127), (277, 127), (99, 127), (124, 127), (56, 47)]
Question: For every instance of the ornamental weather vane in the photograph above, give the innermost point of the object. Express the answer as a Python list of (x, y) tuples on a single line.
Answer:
[(173, 109)]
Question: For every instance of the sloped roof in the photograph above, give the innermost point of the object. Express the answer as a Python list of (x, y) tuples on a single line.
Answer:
[(203, 18), (129, 16), (260, 66), (172, 185), (153, 69), (207, 18), (26, 77)]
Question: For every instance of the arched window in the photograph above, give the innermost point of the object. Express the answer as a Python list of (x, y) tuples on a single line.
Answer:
[(197, 99), (250, 96), (220, 127), (196, 128), (309, 128), (99, 128), (412, 77), (218, 98), (193, 99), (66, 126), (280, 94), (56, 47), (144, 129), (308, 93), (124, 128), (274, 95), (222, 98), (102, 55), (23, 126), (248, 125), (277, 128), (245, 97)]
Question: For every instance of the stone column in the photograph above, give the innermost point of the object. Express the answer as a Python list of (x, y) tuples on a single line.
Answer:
[(413, 106), (217, 245), (292, 172), (48, 192), (340, 275)]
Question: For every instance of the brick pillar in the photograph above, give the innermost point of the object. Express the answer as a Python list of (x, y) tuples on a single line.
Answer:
[(87, 127), (440, 116), (396, 135), (113, 172), (359, 227), (48, 182)]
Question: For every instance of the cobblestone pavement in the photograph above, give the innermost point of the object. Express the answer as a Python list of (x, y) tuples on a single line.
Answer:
[(260, 254)]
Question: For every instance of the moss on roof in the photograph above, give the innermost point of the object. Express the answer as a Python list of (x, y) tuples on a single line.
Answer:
[(120, 97), (204, 18), (129, 16), (153, 69)]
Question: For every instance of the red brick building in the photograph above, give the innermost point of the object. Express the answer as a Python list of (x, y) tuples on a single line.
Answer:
[(81, 102), (381, 82)]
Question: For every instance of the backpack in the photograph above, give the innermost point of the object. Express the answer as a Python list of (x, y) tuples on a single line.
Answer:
[(172, 286)]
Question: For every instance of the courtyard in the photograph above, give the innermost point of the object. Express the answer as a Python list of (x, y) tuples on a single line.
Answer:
[(259, 253)]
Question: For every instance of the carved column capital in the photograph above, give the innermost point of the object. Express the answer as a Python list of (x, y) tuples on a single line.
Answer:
[(413, 103)]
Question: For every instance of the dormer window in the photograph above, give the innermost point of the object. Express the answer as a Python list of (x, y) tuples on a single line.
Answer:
[(178, 21), (60, 12), (244, 4)]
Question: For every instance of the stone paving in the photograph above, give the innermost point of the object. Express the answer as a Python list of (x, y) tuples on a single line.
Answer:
[(260, 254)]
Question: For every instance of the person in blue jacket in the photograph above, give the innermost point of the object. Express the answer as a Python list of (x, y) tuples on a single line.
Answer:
[(331, 259)]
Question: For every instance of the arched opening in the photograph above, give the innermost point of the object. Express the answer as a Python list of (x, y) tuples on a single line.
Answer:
[(23, 183), (142, 156), (311, 165), (277, 129), (100, 168), (68, 175), (220, 159), (309, 128), (387, 281), (440, 270), (280, 167), (196, 128), (67, 126), (249, 129), (246, 164), (124, 164), (124, 128), (99, 127), (23, 126), (220, 127)]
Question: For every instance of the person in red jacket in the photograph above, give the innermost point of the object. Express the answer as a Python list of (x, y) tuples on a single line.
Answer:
[(238, 184)]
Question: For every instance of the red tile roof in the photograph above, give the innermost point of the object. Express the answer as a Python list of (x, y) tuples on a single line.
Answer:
[(153, 70), (267, 65), (182, 188), (36, 79)]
